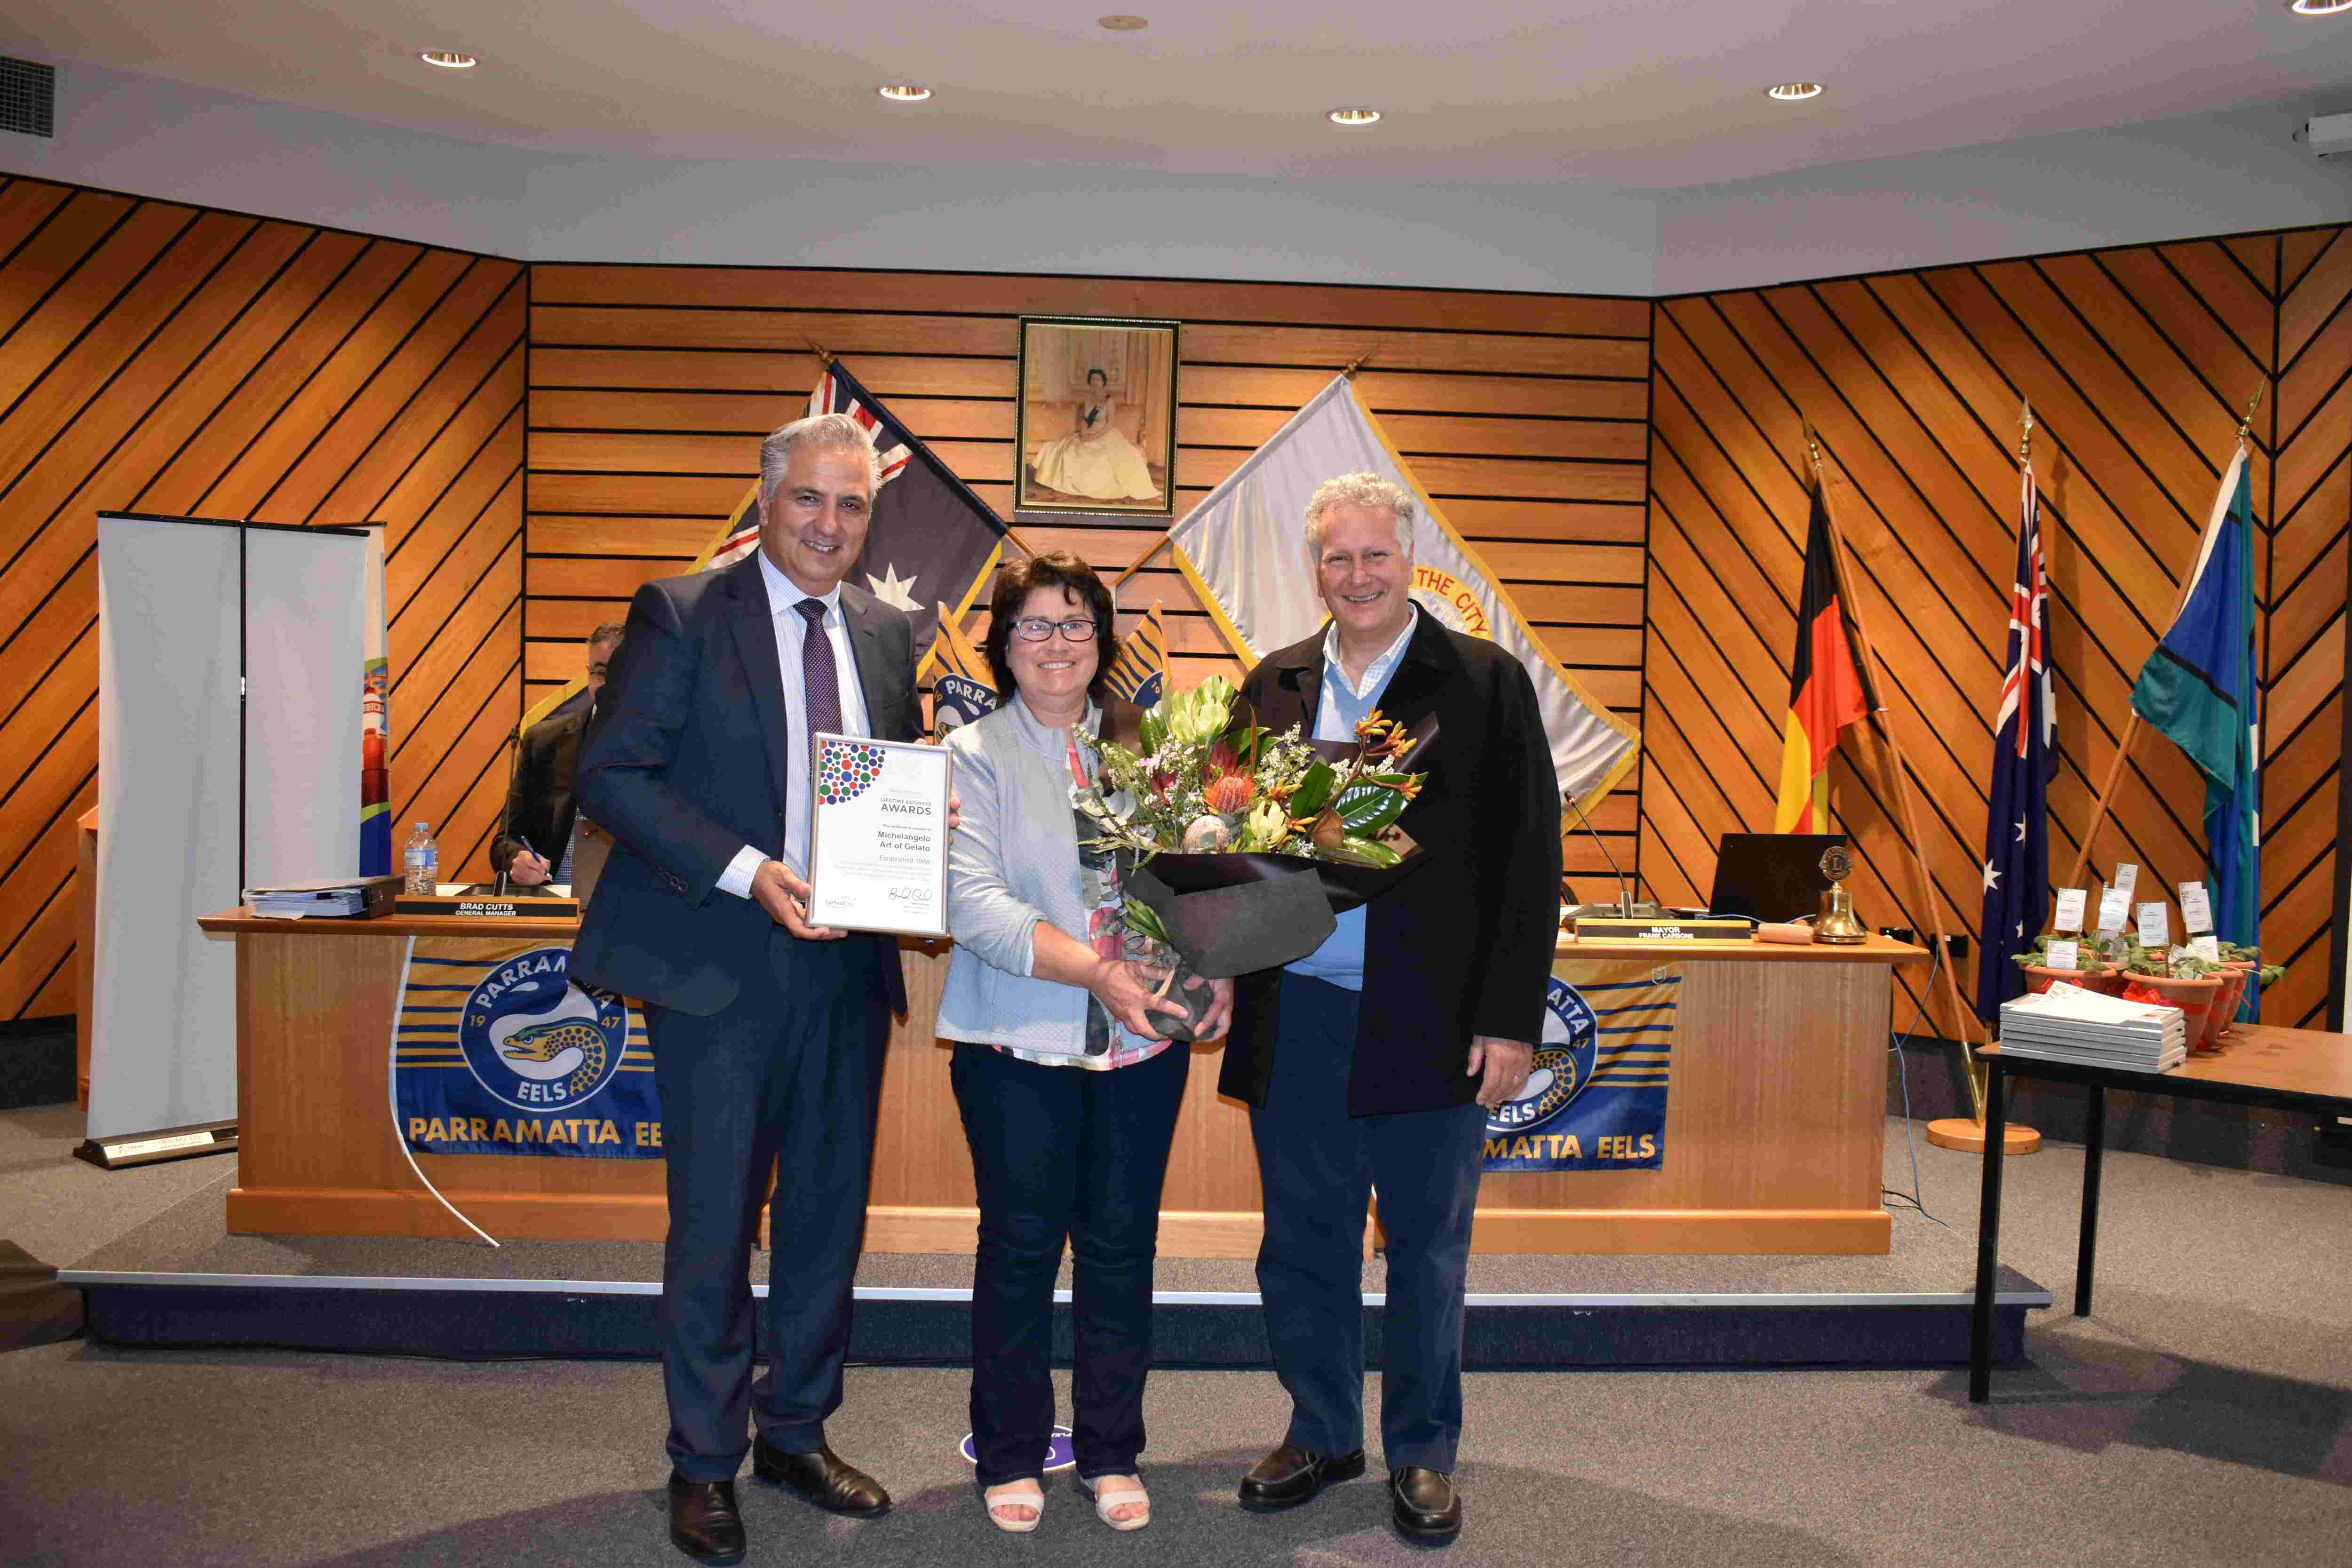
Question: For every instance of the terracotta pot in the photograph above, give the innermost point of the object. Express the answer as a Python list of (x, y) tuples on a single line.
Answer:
[(2038, 980), (2195, 998), (2225, 1008)]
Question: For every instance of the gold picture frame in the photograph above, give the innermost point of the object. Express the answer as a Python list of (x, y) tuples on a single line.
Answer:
[(1095, 421)]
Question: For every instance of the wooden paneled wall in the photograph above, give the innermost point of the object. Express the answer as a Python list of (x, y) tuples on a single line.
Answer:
[(168, 359), (1525, 415), (2140, 363)]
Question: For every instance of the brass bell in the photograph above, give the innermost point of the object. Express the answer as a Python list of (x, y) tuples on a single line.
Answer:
[(1837, 923)]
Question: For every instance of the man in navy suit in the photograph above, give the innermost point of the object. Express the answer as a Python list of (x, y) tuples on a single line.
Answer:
[(767, 1032)]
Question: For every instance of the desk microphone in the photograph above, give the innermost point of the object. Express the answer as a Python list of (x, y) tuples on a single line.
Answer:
[(1625, 907)]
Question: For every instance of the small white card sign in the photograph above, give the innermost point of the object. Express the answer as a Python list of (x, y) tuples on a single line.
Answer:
[(2063, 954), (2207, 947), (2070, 908), (2154, 926), (2126, 876), (2196, 908), (2115, 908)]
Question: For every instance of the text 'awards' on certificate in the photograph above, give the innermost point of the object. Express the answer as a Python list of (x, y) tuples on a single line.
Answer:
[(879, 836)]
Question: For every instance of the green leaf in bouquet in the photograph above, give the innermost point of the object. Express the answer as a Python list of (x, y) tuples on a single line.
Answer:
[(1364, 809), (1144, 921), (1359, 852), (1314, 791), (1155, 730)]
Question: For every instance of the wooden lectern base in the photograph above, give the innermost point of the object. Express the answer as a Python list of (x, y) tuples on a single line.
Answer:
[(1960, 1132)]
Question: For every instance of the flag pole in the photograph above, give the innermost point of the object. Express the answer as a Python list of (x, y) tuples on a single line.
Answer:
[(2100, 807), (1347, 371), (1901, 767), (827, 359)]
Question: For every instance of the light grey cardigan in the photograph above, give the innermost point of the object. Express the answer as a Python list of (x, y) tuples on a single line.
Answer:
[(1013, 861)]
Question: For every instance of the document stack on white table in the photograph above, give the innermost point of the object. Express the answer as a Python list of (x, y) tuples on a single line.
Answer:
[(2067, 1023)]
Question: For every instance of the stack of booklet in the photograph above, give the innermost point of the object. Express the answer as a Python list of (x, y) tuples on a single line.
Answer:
[(329, 896), (2067, 1023)]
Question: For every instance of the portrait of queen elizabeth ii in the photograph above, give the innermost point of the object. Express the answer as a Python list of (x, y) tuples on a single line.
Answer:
[(1097, 415)]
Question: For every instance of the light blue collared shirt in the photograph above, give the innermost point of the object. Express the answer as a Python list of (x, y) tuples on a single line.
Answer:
[(790, 629), (1340, 960)]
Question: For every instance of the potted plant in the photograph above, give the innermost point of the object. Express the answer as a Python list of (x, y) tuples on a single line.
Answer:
[(2189, 983), (2093, 966)]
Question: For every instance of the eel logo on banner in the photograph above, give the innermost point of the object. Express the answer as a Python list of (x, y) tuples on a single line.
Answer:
[(502, 1053), (1596, 1099)]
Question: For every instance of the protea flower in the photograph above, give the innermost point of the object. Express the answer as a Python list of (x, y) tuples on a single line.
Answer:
[(1229, 794), (1206, 835)]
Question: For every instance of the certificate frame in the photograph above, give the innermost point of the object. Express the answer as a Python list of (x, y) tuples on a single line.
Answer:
[(879, 835)]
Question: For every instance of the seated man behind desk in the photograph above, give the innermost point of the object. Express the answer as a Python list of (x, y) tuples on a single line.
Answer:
[(540, 808)]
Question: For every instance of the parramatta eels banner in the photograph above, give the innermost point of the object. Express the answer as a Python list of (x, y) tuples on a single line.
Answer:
[(496, 1051), (1597, 1097)]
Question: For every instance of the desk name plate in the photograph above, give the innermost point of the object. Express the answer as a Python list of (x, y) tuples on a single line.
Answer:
[(879, 835)]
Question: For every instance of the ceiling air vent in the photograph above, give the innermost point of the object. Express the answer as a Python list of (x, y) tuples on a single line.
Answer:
[(28, 96)]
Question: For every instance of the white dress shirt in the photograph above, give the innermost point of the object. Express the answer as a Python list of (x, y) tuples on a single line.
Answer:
[(783, 595)]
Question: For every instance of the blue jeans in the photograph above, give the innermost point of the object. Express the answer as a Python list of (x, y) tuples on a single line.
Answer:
[(1320, 1167), (1060, 1152)]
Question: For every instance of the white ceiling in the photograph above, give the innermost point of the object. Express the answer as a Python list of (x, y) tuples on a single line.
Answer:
[(1634, 93)]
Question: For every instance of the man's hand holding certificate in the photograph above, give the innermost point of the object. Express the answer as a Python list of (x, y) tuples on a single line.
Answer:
[(879, 836)]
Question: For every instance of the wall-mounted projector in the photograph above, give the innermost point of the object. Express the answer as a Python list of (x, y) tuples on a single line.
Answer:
[(2330, 135)]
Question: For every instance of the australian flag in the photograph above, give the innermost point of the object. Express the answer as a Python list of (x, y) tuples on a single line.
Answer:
[(2017, 841), (930, 538)]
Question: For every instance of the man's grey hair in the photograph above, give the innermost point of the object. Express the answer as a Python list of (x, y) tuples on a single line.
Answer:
[(609, 632), (822, 433), (1365, 490)]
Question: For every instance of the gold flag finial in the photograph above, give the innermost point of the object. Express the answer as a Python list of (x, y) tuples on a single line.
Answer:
[(2246, 426), (2025, 437), (822, 358), (1356, 365), (1813, 442)]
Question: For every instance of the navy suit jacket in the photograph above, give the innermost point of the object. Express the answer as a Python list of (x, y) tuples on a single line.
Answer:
[(1463, 945), (684, 764)]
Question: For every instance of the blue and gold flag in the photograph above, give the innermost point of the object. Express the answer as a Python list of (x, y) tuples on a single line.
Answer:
[(964, 690), (1139, 673), (1596, 1099), (496, 1050)]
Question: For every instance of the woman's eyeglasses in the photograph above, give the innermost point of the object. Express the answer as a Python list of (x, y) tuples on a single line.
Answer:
[(1036, 628)]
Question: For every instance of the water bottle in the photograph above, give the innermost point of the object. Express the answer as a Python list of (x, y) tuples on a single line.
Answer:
[(421, 861)]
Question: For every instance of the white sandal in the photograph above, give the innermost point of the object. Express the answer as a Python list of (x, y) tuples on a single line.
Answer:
[(1031, 1496), (1123, 1496)]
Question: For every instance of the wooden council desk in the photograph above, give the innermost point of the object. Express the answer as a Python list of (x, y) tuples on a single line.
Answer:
[(1775, 1116)]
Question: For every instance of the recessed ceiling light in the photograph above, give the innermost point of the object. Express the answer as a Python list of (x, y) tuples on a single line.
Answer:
[(1354, 116), (1795, 91), (449, 59), (1119, 24), (2320, 7), (903, 92)]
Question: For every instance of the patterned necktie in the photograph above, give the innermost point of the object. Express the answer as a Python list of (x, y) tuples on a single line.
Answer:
[(820, 677)]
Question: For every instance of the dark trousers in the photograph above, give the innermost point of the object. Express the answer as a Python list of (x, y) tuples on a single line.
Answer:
[(784, 1081), (1061, 1152), (1319, 1166)]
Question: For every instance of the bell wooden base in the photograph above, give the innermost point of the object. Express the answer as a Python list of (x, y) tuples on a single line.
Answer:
[(1967, 1136)]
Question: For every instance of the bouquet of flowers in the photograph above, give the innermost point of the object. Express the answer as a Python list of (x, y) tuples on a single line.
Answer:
[(1245, 841)]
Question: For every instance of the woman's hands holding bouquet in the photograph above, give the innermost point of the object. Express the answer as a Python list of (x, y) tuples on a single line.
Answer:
[(1132, 991)]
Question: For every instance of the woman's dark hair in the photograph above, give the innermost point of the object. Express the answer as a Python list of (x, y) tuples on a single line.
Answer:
[(1094, 371), (1014, 583)]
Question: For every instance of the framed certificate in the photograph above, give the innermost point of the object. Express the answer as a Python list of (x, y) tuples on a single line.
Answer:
[(879, 836)]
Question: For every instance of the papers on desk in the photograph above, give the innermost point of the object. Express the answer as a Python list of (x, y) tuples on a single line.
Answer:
[(329, 896), (2067, 1023)]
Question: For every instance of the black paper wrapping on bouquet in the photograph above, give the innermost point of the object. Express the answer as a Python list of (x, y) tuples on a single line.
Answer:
[(1232, 914)]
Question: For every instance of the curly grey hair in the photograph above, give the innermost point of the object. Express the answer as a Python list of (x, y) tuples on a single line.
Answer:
[(820, 432), (1364, 488)]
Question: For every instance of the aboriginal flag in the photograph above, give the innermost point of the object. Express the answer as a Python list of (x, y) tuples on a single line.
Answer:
[(1827, 690)]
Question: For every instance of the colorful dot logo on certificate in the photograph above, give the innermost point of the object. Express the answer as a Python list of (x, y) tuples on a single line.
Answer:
[(846, 770)]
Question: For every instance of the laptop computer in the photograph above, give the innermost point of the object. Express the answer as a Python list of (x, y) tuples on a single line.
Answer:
[(1770, 875)]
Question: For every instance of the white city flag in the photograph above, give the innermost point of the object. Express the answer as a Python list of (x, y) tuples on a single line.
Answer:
[(1245, 548)]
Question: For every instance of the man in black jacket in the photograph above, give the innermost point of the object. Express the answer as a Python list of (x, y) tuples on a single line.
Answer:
[(541, 816), (1370, 1065), (767, 1032)]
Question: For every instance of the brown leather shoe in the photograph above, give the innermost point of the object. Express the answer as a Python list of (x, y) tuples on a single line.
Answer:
[(1428, 1510), (1291, 1475), (703, 1520), (822, 1478)]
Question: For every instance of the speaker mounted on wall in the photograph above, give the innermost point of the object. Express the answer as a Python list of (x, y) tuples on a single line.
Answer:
[(28, 96)]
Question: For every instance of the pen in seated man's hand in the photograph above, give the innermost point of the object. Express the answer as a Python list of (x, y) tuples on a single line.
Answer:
[(529, 868)]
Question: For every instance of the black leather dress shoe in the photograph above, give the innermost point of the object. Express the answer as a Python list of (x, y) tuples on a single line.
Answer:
[(703, 1520), (1428, 1509), (1291, 1475), (822, 1478)]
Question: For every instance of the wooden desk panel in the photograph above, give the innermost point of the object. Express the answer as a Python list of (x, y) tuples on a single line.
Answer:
[(1774, 1119)]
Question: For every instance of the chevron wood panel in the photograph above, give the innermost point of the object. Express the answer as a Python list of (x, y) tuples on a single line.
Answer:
[(162, 358), (1526, 417), (2139, 362)]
